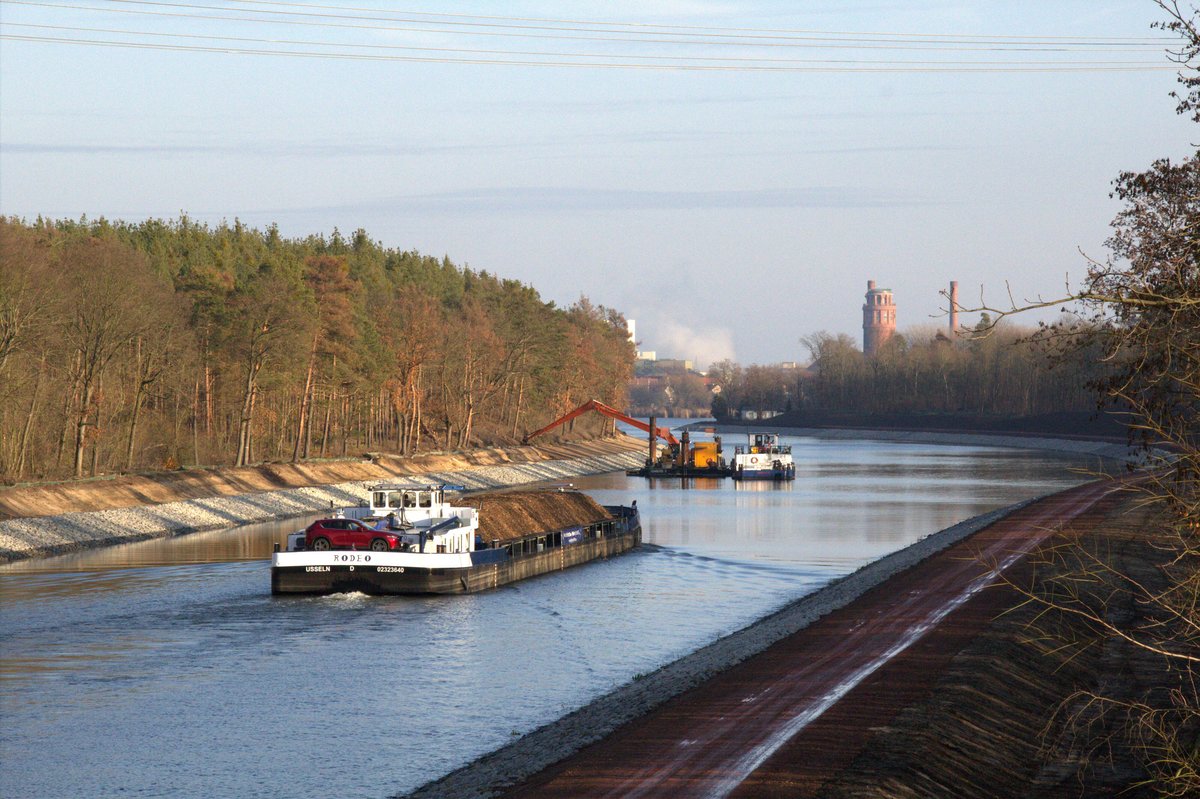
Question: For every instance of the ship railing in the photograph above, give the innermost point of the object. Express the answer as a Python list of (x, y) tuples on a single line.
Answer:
[(778, 449)]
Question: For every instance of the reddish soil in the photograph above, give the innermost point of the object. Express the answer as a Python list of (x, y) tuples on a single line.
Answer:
[(786, 721)]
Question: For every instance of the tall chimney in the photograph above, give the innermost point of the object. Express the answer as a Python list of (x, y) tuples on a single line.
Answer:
[(953, 307)]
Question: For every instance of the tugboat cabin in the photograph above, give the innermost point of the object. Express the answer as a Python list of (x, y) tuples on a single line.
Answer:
[(418, 515)]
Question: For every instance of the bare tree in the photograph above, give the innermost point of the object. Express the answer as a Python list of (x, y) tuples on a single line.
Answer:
[(268, 319), (24, 288), (1140, 314), (105, 288)]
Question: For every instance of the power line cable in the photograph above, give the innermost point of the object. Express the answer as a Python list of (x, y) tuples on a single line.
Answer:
[(665, 26), (470, 51), (863, 67), (974, 46)]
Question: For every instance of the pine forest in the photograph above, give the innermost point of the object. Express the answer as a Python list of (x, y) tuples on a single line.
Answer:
[(165, 344)]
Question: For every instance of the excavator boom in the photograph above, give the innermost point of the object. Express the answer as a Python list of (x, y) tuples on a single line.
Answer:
[(612, 413)]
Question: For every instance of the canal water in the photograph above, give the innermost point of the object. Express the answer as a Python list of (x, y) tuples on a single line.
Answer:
[(166, 668)]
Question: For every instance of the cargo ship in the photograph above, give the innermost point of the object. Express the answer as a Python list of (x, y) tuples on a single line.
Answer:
[(763, 458), (409, 539)]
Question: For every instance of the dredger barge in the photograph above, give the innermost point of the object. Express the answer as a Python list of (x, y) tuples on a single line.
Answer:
[(410, 540)]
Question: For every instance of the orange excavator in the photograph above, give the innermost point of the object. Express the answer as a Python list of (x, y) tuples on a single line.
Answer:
[(681, 458), (612, 413)]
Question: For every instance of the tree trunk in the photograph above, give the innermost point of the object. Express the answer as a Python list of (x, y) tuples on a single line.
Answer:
[(243, 448), (68, 402), (139, 375), (81, 425), (369, 413), (328, 421), (345, 423), (465, 437), (420, 407), (520, 397), (196, 423), (302, 425), (208, 395), (24, 445), (133, 423)]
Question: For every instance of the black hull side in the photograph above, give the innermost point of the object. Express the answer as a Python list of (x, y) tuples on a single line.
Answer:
[(678, 472), (369, 580)]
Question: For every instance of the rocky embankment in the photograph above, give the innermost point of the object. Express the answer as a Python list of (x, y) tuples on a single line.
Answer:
[(52, 519)]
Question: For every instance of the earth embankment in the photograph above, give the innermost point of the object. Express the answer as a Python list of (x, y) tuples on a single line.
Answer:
[(965, 695), (39, 520), (633, 704)]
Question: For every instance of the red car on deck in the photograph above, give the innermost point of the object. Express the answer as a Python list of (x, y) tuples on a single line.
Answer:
[(326, 534)]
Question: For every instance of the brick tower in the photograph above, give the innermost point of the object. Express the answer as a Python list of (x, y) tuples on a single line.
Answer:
[(879, 318)]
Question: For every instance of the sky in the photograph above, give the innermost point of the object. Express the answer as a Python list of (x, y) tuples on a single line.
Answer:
[(731, 211)]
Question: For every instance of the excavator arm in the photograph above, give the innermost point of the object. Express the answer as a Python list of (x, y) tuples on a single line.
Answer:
[(612, 413)]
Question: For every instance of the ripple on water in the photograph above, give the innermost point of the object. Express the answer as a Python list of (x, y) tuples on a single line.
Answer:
[(117, 676)]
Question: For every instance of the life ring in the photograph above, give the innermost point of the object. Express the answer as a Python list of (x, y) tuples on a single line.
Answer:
[(753, 460)]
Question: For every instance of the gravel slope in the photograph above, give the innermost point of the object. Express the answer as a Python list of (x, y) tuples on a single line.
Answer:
[(50, 535)]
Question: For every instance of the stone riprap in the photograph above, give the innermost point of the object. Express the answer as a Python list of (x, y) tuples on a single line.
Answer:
[(68, 532)]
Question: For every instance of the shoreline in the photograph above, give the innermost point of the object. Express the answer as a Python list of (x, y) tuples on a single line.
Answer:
[(30, 537), (126, 509)]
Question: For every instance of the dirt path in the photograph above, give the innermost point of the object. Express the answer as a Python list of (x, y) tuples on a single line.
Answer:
[(757, 730)]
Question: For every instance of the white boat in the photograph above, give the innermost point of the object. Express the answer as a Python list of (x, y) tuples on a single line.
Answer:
[(763, 458), (415, 542)]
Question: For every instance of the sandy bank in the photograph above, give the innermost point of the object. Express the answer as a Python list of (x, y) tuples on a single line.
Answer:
[(140, 507), (122, 491)]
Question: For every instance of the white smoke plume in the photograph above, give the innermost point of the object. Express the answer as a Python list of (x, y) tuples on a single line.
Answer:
[(671, 338)]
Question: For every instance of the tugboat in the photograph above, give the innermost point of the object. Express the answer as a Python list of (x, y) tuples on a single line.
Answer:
[(410, 540), (763, 458)]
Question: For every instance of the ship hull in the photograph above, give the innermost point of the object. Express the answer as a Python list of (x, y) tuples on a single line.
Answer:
[(386, 573), (764, 474), (787, 472)]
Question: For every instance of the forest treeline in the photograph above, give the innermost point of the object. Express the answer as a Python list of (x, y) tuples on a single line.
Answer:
[(150, 345), (1012, 371)]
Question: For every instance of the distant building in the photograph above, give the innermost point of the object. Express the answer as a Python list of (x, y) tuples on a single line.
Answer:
[(879, 318), (953, 307), (642, 355)]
